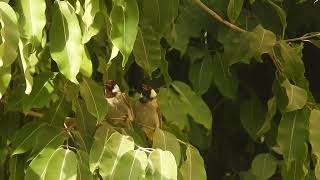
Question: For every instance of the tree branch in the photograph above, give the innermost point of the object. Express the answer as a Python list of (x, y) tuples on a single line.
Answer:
[(303, 38), (218, 17)]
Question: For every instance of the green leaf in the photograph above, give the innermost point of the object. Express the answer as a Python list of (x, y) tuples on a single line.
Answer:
[(41, 92), (282, 15), (38, 167), (292, 136), (94, 98), (62, 165), (86, 65), (252, 116), (293, 66), (297, 170), (66, 47), (160, 13), (314, 42), (297, 97), (106, 152), (147, 50), (234, 9), (225, 81), (201, 74), (9, 35), (32, 20), (263, 42), (24, 139), (168, 101), (83, 166), (5, 78), (16, 167), (264, 166), (85, 122), (193, 167), (314, 135), (164, 68), (26, 68), (272, 109), (167, 142), (124, 19), (162, 165), (193, 104), (132, 165), (57, 112)]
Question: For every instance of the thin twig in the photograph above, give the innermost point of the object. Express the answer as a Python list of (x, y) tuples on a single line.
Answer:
[(302, 38), (218, 17)]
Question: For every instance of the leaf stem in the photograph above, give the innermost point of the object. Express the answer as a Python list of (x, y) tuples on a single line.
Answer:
[(302, 38), (218, 17), (182, 142)]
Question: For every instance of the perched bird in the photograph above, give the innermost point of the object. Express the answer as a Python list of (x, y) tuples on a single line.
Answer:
[(147, 112), (120, 110)]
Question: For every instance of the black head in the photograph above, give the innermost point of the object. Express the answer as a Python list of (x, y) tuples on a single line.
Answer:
[(111, 88), (147, 93)]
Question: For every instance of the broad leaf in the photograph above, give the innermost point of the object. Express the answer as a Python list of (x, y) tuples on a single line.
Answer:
[(106, 151), (314, 135), (225, 81), (83, 166), (24, 139), (234, 9), (85, 121), (57, 113), (66, 47), (162, 165), (272, 109), (193, 104), (168, 101), (38, 167), (147, 50), (26, 68), (91, 8), (160, 13), (124, 19), (41, 92), (297, 97), (252, 116), (282, 15), (9, 35), (264, 166), (16, 167), (193, 167), (32, 19), (263, 42), (167, 142), (297, 170), (292, 136), (5, 78), (201, 74), (131, 165), (94, 98), (86, 65)]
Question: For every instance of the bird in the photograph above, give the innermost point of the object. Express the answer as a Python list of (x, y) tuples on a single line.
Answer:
[(120, 110), (147, 112)]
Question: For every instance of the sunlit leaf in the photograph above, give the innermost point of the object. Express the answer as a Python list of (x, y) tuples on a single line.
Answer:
[(147, 50), (162, 165), (106, 152), (5, 78), (234, 9), (194, 105), (297, 97), (86, 65), (314, 135), (66, 47), (167, 142), (26, 68), (94, 98), (297, 170), (263, 42), (264, 166), (124, 19), (9, 35), (131, 165), (32, 19), (193, 167)]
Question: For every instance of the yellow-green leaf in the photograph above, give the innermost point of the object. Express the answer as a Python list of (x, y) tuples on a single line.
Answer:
[(162, 165), (314, 138), (297, 97), (193, 167), (234, 9), (5, 78)]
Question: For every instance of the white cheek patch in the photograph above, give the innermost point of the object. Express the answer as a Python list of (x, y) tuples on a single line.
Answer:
[(116, 89), (153, 94)]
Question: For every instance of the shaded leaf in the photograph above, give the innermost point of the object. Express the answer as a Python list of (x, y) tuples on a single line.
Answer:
[(94, 98), (297, 97), (32, 19), (263, 42), (106, 151), (57, 112), (83, 172), (132, 165), (193, 104), (16, 167), (147, 50), (85, 122), (201, 74), (272, 109), (5, 78), (167, 142), (26, 68), (264, 166), (66, 47), (282, 15), (292, 136), (314, 42), (297, 170), (252, 116), (9, 35), (124, 19), (234, 9), (86, 65), (193, 167), (162, 165), (314, 135)]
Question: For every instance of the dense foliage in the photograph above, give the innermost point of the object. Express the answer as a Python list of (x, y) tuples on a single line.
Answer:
[(236, 83)]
